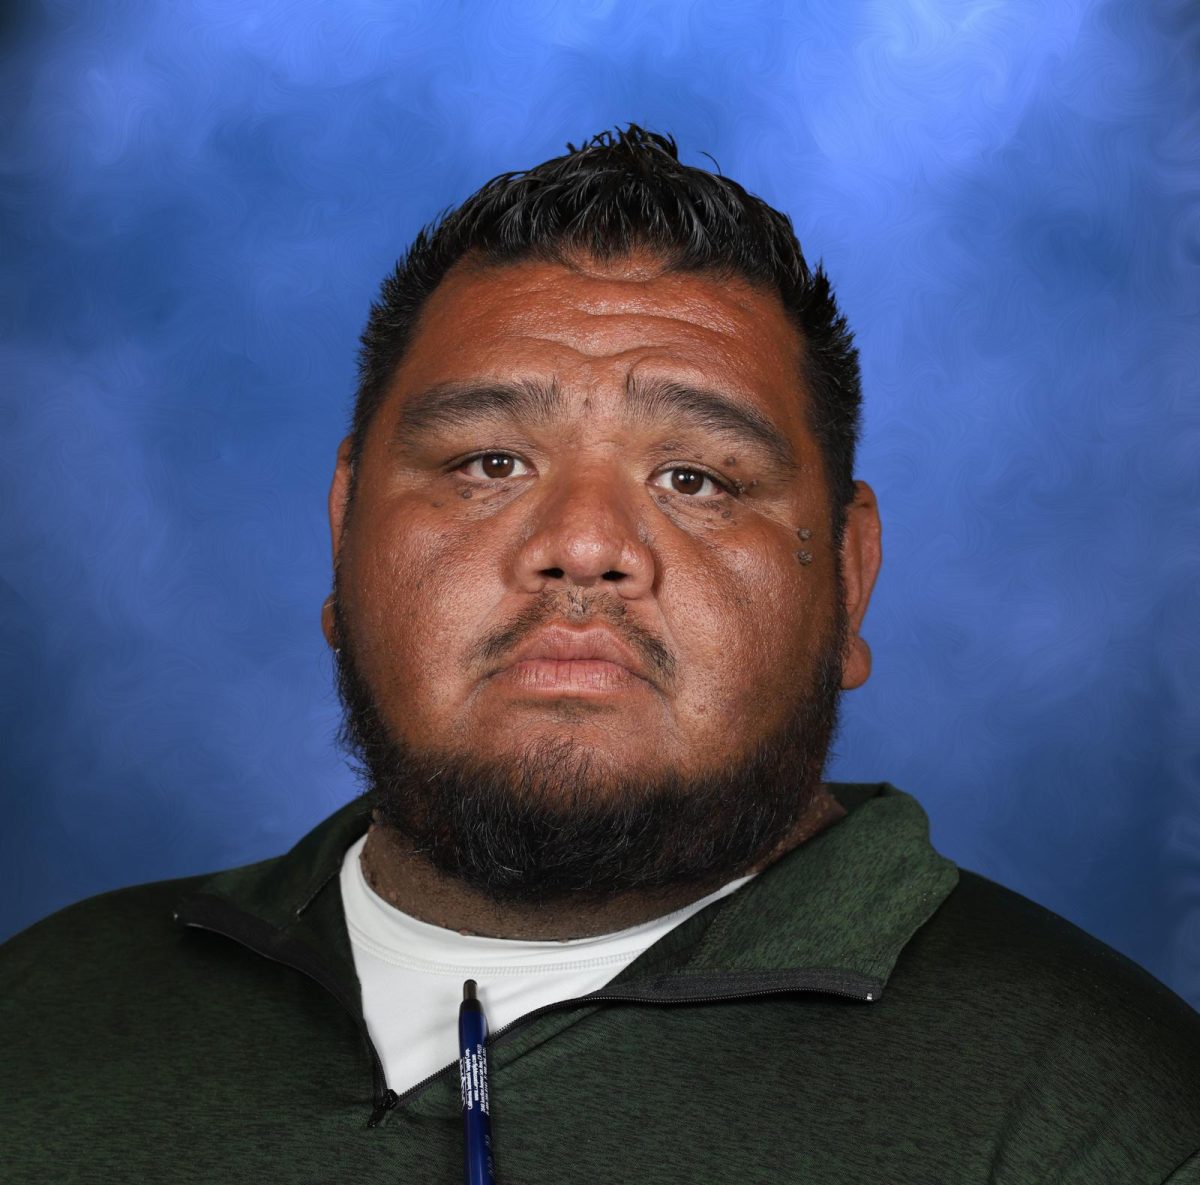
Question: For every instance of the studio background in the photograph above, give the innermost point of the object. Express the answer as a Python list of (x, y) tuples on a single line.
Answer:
[(198, 200)]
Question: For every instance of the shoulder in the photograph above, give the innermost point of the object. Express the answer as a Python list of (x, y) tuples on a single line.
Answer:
[(1022, 953), (106, 913), (76, 987), (106, 931), (1073, 1035), (112, 946)]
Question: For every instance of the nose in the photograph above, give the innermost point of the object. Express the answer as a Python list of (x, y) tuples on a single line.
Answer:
[(587, 532)]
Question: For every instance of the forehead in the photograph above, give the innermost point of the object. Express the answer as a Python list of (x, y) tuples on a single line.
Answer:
[(590, 327)]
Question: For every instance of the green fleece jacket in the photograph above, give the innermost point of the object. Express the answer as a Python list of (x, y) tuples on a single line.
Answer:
[(861, 1012)]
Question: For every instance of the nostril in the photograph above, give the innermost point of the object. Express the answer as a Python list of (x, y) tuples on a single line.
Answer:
[(553, 573), (613, 575)]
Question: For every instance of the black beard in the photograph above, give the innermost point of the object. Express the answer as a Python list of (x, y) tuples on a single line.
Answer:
[(551, 823)]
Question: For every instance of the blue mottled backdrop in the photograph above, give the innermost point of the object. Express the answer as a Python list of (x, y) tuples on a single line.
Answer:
[(198, 199)]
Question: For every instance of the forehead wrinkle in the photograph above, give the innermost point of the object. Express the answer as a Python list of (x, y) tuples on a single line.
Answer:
[(603, 334)]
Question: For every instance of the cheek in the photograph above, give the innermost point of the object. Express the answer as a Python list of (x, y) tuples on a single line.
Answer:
[(743, 618), (757, 590), (416, 597)]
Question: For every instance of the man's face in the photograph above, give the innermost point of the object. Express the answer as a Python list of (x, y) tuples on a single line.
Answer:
[(590, 517)]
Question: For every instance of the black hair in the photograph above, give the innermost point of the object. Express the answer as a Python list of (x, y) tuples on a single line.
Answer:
[(623, 192)]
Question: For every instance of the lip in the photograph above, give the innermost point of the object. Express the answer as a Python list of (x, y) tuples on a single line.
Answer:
[(558, 659)]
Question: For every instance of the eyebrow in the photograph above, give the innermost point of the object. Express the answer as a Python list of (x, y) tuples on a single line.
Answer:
[(712, 411), (450, 404)]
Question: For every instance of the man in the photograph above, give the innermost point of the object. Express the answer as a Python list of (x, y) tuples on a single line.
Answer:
[(600, 573)]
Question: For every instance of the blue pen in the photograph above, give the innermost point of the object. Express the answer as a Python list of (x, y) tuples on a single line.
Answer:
[(472, 1069)]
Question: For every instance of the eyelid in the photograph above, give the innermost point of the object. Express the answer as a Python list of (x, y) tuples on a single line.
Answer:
[(461, 464), (722, 483)]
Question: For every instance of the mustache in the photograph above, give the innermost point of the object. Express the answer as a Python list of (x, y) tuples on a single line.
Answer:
[(580, 608)]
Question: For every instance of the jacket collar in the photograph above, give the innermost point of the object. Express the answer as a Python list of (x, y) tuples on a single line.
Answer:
[(290, 908), (833, 914)]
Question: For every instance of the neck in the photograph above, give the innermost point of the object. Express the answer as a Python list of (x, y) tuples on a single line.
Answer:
[(411, 884)]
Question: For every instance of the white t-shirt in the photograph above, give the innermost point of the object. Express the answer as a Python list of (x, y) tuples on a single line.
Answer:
[(412, 973)]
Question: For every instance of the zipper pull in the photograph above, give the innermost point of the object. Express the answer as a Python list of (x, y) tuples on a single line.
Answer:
[(385, 1104)]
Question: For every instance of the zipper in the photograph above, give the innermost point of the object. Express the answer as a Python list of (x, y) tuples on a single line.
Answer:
[(626, 998), (292, 955)]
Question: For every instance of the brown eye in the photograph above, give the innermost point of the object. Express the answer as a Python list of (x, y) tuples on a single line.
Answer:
[(497, 465), (494, 466), (681, 480)]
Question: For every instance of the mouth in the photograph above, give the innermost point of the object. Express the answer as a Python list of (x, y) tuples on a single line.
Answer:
[(563, 661), (572, 676)]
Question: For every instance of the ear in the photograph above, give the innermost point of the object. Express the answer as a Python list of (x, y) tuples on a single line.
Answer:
[(339, 499), (862, 553)]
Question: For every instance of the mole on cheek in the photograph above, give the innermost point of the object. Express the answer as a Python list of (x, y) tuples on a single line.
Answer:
[(465, 493), (804, 532), (731, 460), (805, 557)]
